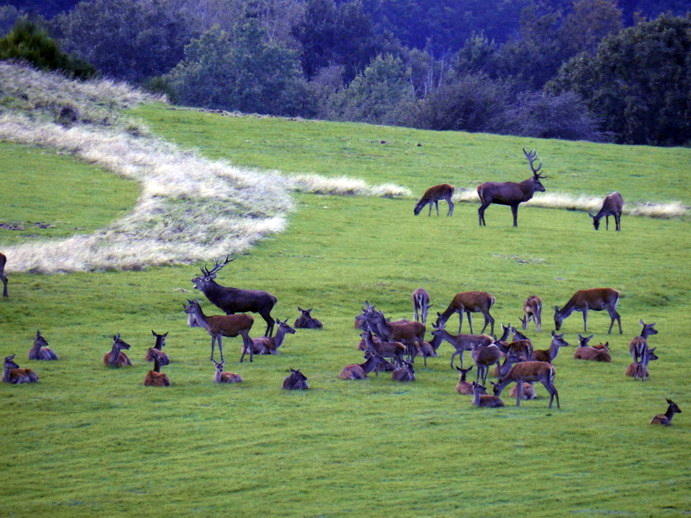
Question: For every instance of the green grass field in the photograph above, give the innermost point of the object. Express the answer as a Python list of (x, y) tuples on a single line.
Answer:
[(88, 440)]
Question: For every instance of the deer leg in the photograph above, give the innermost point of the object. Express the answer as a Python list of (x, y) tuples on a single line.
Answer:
[(220, 347), (481, 213), (617, 221), (585, 320), (519, 392), (607, 222), (613, 315), (213, 344), (436, 206), (514, 213), (4, 285), (266, 315), (470, 322), (450, 207)]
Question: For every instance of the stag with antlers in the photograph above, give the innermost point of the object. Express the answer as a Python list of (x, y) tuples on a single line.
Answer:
[(234, 300), (511, 193)]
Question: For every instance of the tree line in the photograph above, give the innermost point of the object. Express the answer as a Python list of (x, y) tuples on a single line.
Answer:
[(600, 70)]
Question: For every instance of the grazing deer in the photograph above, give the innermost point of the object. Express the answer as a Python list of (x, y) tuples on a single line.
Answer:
[(666, 418), (12, 373), (270, 344), (3, 277), (393, 350), (484, 356), (482, 399), (116, 357), (542, 355), (421, 305), (640, 369), (434, 194), (532, 310), (463, 386), (359, 371), (40, 350), (612, 205), (530, 371), (222, 376), (159, 343), (639, 343), (410, 334), (596, 353), (234, 300), (296, 381), (471, 302), (511, 193), (595, 299), (404, 372), (219, 326), (156, 378), (460, 342), (306, 320)]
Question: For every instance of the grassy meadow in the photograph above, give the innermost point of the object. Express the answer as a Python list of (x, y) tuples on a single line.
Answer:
[(88, 440)]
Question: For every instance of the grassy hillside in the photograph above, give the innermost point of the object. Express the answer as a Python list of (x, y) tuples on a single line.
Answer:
[(88, 440)]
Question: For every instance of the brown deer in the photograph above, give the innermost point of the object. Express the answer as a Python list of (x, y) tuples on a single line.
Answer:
[(595, 299), (460, 342), (530, 371), (40, 350), (270, 344), (484, 356), (464, 387), (612, 205), (359, 371), (156, 378), (471, 302), (404, 372), (12, 373), (528, 391), (639, 343), (542, 355), (3, 277), (640, 369), (596, 353), (410, 334), (511, 193), (666, 418), (532, 310), (159, 343), (306, 320), (394, 350), (421, 305), (433, 195), (222, 376), (234, 300), (482, 399), (295, 381), (219, 326), (116, 357)]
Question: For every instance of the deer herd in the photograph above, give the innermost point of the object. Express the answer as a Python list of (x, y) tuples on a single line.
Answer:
[(392, 346)]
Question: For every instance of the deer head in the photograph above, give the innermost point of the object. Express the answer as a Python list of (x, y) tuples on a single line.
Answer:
[(532, 157), (209, 275)]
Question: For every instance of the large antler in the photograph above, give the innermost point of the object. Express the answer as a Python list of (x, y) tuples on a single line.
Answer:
[(217, 266), (532, 157)]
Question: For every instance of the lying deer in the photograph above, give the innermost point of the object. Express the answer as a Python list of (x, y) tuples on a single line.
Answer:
[(296, 381), (222, 376), (156, 378), (596, 353), (159, 343), (359, 371), (12, 373), (116, 357), (306, 320), (666, 418), (640, 369), (269, 344), (482, 399), (404, 372), (40, 350), (463, 386)]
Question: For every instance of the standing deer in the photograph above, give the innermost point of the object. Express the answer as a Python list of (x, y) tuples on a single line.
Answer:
[(40, 350), (511, 193), (434, 194), (640, 369), (410, 334), (595, 299), (219, 326), (550, 354), (612, 205), (393, 350), (460, 342), (666, 418), (639, 344), (116, 357), (471, 302), (159, 343), (156, 378), (463, 386), (531, 371), (12, 373), (296, 381), (482, 399), (222, 376), (484, 356), (270, 344), (421, 305), (234, 300), (532, 310), (3, 277), (306, 320)]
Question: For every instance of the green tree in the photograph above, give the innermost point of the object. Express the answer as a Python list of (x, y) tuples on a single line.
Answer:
[(637, 82)]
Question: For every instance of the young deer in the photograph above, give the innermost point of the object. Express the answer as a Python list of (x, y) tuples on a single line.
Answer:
[(12, 373), (463, 386), (116, 357), (421, 305), (596, 353), (460, 342), (296, 381), (484, 356), (270, 344), (666, 418), (40, 350), (359, 371), (528, 391), (306, 320), (393, 350), (435, 194), (156, 378), (3, 277), (410, 334), (640, 369), (596, 299), (612, 205), (222, 376), (470, 302), (159, 343), (550, 354), (482, 399), (532, 310), (639, 344), (404, 372), (530, 371), (219, 326)]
